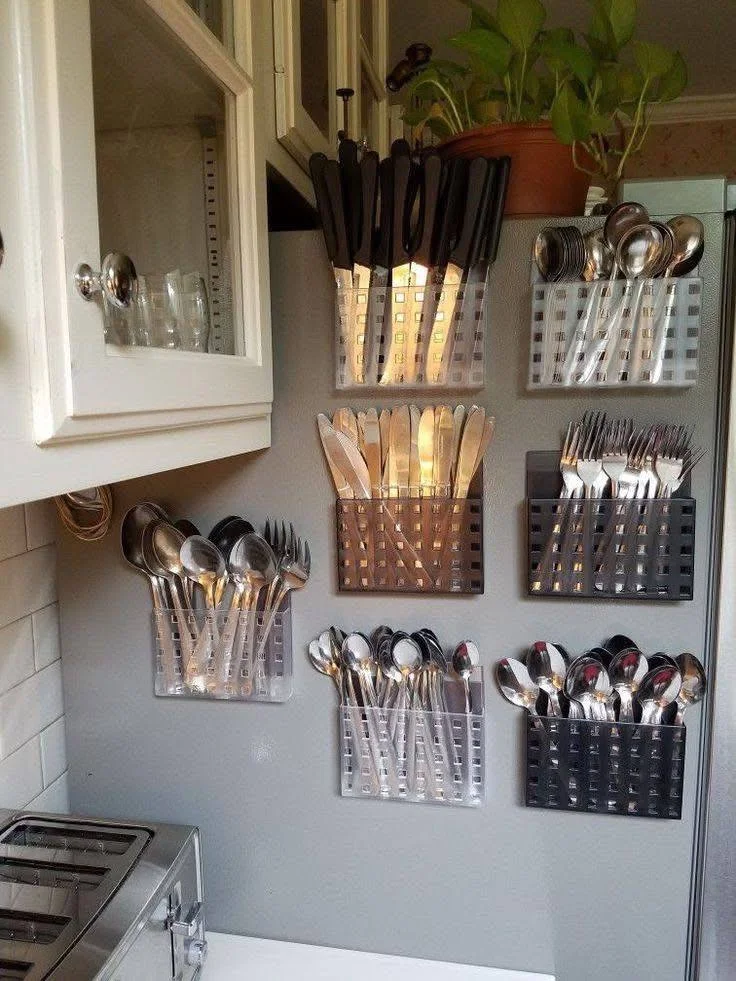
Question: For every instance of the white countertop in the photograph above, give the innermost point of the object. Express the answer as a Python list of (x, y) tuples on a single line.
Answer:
[(233, 958)]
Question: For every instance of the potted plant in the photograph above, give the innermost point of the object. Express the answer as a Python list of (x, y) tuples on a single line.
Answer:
[(563, 109)]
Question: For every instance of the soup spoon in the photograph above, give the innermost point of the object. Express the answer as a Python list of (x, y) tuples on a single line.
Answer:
[(693, 684)]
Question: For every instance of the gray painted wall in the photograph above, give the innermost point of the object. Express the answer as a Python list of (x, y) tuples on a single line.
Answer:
[(581, 896)]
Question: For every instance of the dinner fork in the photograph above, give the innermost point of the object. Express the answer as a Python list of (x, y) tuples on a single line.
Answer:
[(294, 568)]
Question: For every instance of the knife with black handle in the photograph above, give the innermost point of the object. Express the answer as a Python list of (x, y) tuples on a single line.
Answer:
[(422, 251), (361, 325), (400, 262), (438, 302), (377, 341), (317, 164), (352, 192)]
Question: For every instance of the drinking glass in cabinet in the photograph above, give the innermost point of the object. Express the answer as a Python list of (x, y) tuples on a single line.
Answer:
[(162, 127)]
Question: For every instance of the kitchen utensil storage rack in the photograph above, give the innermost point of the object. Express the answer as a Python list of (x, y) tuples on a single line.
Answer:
[(382, 342), (605, 767), (448, 763), (615, 333), (411, 544), (265, 679), (613, 549)]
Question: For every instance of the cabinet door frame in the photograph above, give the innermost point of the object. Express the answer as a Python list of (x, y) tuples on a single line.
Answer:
[(375, 66), (83, 388), (295, 128)]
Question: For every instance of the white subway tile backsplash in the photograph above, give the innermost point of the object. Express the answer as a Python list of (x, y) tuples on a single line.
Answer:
[(33, 763), (53, 751), (28, 583), (16, 653), (40, 523), (12, 532), (30, 707), (54, 798), (46, 640), (20, 775)]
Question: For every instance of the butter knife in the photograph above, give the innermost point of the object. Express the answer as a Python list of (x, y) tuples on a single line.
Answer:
[(372, 450), (459, 419), (445, 430), (400, 447), (485, 442), (414, 470), (426, 452), (344, 457), (342, 488), (469, 445)]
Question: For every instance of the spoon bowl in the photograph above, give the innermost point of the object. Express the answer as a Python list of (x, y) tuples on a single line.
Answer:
[(694, 684), (547, 668), (658, 689), (587, 682), (689, 238), (639, 251), (516, 684), (620, 219), (627, 670)]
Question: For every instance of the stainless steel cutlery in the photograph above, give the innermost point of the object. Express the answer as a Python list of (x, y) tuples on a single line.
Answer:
[(435, 452), (613, 683), (410, 284), (409, 712), (216, 599)]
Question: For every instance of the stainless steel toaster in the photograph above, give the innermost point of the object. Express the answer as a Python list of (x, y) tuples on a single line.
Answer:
[(84, 899)]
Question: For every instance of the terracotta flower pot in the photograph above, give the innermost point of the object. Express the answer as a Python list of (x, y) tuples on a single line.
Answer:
[(544, 180)]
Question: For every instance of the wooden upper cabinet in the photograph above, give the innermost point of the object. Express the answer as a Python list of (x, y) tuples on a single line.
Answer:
[(138, 138), (319, 47)]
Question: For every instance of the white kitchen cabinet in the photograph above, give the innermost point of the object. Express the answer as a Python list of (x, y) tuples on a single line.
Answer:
[(134, 133), (319, 47)]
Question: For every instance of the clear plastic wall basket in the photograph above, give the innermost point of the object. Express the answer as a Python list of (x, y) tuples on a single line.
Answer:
[(417, 756), (415, 337), (223, 655), (633, 333)]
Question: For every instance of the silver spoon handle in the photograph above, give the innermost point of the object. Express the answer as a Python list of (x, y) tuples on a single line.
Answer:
[(626, 705), (224, 650)]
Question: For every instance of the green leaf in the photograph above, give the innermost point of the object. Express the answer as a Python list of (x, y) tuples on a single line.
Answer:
[(599, 48), (480, 16), (620, 87), (673, 82), (564, 56), (653, 60), (570, 119), (622, 18), (449, 68), (520, 21), (489, 48)]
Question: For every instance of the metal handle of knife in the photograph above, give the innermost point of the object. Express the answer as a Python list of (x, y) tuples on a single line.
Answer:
[(439, 329), (400, 268), (421, 307)]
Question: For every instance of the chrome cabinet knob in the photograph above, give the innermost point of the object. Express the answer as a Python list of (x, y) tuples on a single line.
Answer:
[(196, 953), (117, 279)]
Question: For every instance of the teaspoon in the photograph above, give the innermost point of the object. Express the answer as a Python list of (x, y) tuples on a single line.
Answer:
[(324, 664), (203, 565), (465, 658), (693, 684), (547, 668), (658, 689), (587, 682), (516, 684), (627, 670)]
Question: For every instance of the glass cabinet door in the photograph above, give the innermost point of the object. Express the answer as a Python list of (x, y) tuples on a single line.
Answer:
[(145, 150)]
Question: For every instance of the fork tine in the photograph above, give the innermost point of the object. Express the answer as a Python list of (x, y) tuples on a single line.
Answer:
[(267, 531), (307, 562)]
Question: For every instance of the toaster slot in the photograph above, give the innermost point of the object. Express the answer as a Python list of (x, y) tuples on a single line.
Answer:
[(13, 970), (57, 875), (73, 839), (36, 928)]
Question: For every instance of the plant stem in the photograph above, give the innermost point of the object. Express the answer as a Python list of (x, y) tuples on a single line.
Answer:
[(632, 136), (522, 80), (467, 108)]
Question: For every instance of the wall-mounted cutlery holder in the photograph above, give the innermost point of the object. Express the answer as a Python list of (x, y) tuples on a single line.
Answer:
[(611, 333), (417, 756), (221, 667), (605, 767), (410, 545), (613, 549), (417, 337)]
